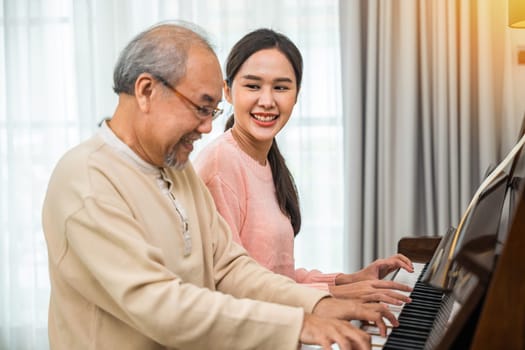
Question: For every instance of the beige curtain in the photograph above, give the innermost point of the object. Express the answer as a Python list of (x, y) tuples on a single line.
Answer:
[(428, 105)]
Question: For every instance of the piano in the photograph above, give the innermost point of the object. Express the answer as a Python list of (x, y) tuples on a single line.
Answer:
[(469, 284)]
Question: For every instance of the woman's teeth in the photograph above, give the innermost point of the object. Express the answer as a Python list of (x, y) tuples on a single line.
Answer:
[(264, 118)]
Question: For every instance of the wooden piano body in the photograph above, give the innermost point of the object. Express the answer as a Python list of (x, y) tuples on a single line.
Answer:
[(492, 312)]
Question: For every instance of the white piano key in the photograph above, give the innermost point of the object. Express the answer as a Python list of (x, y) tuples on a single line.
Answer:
[(388, 323), (409, 278), (395, 309), (374, 330), (378, 341)]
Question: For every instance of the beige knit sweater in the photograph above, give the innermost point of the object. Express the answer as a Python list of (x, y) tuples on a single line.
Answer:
[(119, 276)]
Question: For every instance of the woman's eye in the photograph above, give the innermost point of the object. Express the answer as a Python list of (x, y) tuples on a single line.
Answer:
[(282, 88), (252, 86)]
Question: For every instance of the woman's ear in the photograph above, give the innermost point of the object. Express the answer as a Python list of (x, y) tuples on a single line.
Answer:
[(144, 91), (227, 92)]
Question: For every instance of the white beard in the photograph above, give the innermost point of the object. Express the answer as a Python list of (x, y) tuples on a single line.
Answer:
[(171, 161)]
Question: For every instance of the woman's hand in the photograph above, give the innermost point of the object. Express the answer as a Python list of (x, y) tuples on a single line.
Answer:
[(377, 269), (367, 285)]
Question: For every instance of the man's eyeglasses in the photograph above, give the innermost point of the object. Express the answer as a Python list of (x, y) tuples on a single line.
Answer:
[(203, 112)]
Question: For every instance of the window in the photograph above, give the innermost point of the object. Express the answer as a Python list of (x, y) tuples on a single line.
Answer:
[(58, 58)]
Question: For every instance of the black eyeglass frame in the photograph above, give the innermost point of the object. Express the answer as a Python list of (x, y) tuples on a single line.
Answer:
[(203, 112)]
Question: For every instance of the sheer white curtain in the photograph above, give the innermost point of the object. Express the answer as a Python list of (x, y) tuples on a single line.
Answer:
[(430, 102), (56, 60), (38, 119)]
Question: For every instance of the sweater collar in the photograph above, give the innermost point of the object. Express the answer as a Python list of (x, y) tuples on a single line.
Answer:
[(124, 150)]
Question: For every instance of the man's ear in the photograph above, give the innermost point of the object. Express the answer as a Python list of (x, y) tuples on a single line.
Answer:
[(144, 90), (227, 91)]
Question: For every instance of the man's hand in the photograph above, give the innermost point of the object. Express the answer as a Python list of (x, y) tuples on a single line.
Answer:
[(346, 309), (327, 331)]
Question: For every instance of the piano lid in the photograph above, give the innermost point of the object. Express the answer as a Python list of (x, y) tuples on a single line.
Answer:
[(475, 238)]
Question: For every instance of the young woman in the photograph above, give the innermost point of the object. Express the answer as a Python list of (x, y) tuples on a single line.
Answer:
[(247, 176)]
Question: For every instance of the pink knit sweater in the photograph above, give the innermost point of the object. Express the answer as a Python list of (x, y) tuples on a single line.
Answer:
[(245, 196)]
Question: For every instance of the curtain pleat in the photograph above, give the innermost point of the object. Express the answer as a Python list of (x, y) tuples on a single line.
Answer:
[(438, 109)]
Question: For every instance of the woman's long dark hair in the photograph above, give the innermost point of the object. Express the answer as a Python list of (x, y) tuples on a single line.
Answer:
[(251, 43)]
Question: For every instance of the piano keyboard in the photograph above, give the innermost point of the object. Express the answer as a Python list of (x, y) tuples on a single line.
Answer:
[(400, 276), (378, 342), (481, 273), (417, 318)]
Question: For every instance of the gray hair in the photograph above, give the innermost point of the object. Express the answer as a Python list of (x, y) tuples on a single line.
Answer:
[(161, 51)]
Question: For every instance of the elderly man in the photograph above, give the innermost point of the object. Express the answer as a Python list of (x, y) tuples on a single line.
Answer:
[(139, 257)]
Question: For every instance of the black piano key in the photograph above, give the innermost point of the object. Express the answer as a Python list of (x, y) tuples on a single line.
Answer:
[(405, 338), (422, 325), (417, 316), (406, 342), (412, 334), (422, 307), (418, 324), (424, 310), (401, 346), (423, 298), (415, 312), (426, 296)]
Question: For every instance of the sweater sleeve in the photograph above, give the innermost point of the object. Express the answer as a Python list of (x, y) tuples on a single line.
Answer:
[(228, 205), (129, 280), (315, 278), (217, 169)]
